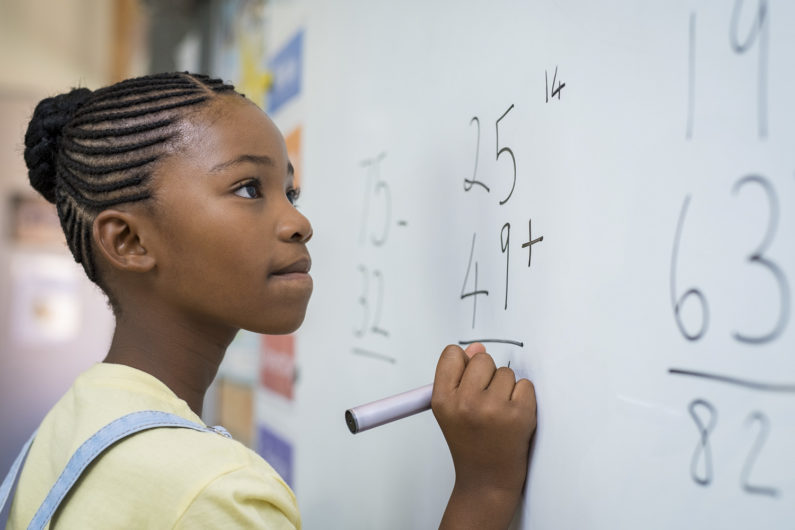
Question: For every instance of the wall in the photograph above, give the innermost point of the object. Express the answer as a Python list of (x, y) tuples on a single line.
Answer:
[(45, 48)]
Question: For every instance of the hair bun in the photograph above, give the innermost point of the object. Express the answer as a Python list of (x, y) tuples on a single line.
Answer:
[(41, 139)]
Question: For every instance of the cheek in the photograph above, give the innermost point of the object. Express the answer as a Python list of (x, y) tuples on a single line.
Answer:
[(232, 258), (209, 252)]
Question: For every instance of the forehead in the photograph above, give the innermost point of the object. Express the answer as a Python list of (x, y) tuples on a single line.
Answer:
[(228, 127)]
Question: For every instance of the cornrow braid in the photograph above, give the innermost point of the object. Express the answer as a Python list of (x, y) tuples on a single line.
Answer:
[(87, 151)]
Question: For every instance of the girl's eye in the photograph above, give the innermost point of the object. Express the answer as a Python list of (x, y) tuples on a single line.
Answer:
[(293, 194), (250, 190)]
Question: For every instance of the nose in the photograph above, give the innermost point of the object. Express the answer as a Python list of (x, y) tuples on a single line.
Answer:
[(294, 227)]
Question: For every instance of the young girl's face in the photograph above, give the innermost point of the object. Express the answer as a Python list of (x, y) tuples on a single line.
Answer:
[(230, 245)]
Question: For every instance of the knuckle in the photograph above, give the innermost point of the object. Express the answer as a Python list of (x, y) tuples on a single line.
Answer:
[(452, 351), (493, 412), (482, 359), (504, 371), (466, 406), (521, 417), (528, 386), (476, 413)]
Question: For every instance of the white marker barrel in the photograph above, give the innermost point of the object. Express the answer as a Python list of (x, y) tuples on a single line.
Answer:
[(389, 409)]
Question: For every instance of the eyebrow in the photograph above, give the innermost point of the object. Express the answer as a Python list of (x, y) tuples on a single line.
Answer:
[(261, 160)]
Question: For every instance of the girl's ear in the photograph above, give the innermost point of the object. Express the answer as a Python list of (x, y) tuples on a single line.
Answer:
[(119, 240)]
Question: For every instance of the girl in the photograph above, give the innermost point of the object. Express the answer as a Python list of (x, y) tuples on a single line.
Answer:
[(176, 196)]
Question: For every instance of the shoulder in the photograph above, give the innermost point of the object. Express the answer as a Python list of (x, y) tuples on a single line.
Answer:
[(223, 483), (148, 479), (242, 498), (180, 454), (186, 477)]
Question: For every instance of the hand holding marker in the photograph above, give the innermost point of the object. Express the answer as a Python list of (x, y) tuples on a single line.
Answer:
[(399, 406), (392, 408), (487, 418)]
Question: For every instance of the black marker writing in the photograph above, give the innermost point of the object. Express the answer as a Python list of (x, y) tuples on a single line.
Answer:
[(703, 452), (529, 244)]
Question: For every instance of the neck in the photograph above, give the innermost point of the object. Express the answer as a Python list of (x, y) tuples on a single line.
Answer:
[(181, 352)]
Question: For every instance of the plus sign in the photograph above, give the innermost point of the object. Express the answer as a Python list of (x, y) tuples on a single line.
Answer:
[(529, 244)]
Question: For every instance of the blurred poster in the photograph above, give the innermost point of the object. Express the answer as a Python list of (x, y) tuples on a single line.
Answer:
[(242, 358), (236, 409), (277, 366), (241, 55), (34, 221), (277, 451), (287, 67), (45, 302)]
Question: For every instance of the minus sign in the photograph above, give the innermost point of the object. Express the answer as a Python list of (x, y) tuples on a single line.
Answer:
[(500, 341), (373, 355), (402, 223)]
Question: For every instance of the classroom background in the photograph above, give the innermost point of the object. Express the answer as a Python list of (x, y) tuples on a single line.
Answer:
[(53, 322), (600, 191)]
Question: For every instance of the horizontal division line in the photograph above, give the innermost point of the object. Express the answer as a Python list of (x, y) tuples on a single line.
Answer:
[(501, 341), (373, 355), (747, 383)]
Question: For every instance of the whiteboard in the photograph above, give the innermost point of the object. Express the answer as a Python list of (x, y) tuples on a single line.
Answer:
[(650, 144)]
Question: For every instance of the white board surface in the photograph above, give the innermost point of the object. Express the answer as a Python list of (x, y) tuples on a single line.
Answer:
[(653, 150)]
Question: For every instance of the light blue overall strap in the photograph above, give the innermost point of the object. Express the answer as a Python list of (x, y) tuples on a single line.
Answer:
[(101, 440), (10, 482)]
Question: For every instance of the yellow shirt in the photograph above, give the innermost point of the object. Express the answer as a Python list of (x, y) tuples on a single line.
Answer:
[(160, 478)]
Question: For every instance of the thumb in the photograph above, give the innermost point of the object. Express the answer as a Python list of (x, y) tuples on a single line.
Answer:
[(474, 349)]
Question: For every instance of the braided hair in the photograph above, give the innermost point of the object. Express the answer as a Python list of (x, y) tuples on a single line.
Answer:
[(88, 151)]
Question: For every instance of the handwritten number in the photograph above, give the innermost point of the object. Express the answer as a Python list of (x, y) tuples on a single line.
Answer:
[(705, 416), (505, 241), (376, 327), (468, 183), (373, 171), (758, 257), (508, 150), (703, 452), (555, 90), (363, 302), (382, 187), (691, 85), (764, 429), (678, 303), (366, 209), (474, 293), (758, 33)]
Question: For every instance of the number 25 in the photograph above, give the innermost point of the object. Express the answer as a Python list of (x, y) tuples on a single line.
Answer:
[(469, 183)]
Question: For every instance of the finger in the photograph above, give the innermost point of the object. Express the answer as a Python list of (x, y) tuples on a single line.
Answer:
[(478, 373), (524, 393), (475, 348), (502, 384), (449, 369)]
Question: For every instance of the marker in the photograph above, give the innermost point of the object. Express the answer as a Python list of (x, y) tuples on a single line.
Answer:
[(389, 409)]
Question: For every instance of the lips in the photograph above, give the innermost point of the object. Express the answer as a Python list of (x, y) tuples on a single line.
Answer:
[(299, 266)]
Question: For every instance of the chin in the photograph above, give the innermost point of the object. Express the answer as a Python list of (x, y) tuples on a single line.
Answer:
[(279, 319), (283, 325)]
